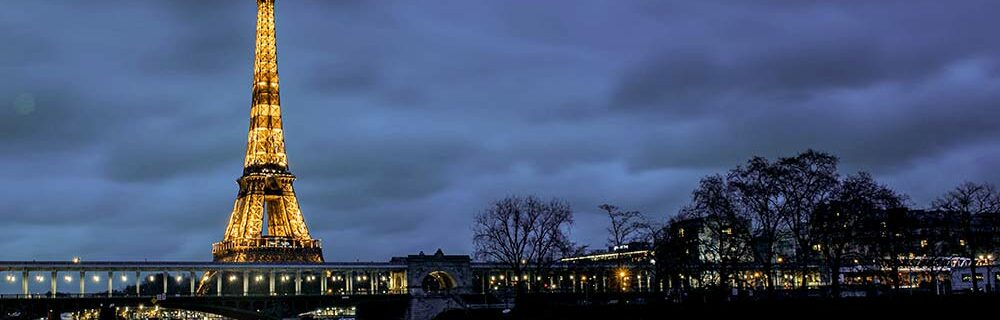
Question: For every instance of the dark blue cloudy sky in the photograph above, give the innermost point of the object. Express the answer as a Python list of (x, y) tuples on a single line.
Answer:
[(122, 123)]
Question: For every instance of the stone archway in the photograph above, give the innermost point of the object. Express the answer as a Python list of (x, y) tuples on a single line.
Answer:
[(438, 274), (438, 282)]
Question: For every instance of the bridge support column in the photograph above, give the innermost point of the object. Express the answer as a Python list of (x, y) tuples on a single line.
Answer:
[(191, 278), (138, 283), (111, 284), (83, 283), (24, 283), (322, 283), (270, 284), (350, 282), (166, 277), (572, 277), (638, 281), (218, 283), (298, 283), (246, 283), (53, 284)]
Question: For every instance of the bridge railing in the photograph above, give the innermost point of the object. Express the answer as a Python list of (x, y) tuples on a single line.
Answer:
[(168, 297)]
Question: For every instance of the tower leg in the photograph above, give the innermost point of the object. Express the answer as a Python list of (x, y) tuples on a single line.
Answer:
[(218, 283), (111, 284), (246, 283)]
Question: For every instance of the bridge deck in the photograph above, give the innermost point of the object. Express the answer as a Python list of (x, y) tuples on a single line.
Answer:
[(188, 266)]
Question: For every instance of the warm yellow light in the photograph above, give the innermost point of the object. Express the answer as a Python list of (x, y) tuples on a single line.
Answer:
[(97, 278), (152, 278), (621, 274), (68, 278), (76, 260), (124, 278)]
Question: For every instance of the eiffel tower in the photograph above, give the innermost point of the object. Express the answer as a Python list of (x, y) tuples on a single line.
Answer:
[(266, 192)]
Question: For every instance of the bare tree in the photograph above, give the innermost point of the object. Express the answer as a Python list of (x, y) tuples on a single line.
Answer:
[(756, 188), (625, 227), (725, 231), (524, 233), (972, 202), (838, 226), (805, 181)]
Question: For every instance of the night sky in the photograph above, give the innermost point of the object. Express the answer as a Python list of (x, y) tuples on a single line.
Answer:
[(123, 123)]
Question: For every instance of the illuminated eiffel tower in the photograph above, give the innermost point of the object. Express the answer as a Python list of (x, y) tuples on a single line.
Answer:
[(266, 192)]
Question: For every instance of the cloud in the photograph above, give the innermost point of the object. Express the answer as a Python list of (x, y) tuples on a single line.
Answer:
[(123, 124)]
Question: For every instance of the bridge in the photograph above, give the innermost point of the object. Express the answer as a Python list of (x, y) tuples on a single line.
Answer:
[(236, 290), (111, 279), (412, 287)]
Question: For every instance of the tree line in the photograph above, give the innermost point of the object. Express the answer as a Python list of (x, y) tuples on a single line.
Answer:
[(793, 215)]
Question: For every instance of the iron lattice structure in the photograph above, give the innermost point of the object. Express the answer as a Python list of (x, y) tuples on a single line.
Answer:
[(266, 185)]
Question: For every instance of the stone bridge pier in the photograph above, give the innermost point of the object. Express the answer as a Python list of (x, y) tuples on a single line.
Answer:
[(435, 283)]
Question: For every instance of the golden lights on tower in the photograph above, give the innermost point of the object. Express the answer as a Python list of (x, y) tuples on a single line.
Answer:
[(266, 194)]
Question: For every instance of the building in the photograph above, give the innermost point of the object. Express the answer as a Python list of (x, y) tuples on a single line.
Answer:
[(987, 277), (914, 249)]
